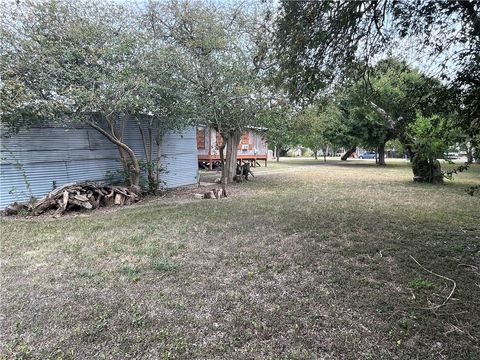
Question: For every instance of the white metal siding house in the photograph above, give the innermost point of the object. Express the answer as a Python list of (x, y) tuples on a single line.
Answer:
[(47, 156)]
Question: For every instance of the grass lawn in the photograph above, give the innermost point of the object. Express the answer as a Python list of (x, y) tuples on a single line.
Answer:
[(307, 262)]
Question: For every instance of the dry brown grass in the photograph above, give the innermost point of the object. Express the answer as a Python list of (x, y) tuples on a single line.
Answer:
[(313, 262)]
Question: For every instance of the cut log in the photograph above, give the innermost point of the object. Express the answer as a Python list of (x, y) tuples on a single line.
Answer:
[(43, 205), (62, 204), (65, 197), (95, 201), (87, 195), (58, 191), (81, 197), (119, 199), (210, 195), (84, 204)]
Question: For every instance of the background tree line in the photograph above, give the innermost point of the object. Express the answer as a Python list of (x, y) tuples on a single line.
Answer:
[(315, 73), (357, 53)]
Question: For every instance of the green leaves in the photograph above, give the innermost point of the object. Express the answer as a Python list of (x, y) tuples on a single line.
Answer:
[(431, 136), (81, 58), (216, 61)]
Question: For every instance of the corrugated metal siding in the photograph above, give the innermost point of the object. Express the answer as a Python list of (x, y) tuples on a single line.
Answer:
[(62, 155), (179, 154)]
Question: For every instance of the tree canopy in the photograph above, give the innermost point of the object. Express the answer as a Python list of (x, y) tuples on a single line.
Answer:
[(92, 63), (318, 42), (320, 73), (324, 46)]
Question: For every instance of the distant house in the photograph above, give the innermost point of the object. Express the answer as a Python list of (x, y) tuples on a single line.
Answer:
[(252, 147), (35, 160)]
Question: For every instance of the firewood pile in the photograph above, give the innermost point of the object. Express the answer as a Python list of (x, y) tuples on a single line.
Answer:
[(211, 194), (74, 196)]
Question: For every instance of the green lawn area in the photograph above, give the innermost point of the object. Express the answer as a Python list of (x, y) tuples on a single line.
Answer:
[(310, 261)]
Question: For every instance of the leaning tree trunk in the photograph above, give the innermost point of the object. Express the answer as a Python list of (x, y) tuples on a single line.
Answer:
[(124, 161), (135, 171), (348, 153), (381, 154), (132, 167)]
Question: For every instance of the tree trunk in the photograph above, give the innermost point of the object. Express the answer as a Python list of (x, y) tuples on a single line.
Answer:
[(135, 171), (325, 154), (316, 155), (381, 154), (426, 170), (348, 153), (229, 159), (132, 168), (124, 161), (232, 142), (469, 153), (148, 153), (277, 149), (223, 179), (158, 160)]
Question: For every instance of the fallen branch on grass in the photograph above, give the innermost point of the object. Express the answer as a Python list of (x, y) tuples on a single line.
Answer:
[(442, 277), (86, 195)]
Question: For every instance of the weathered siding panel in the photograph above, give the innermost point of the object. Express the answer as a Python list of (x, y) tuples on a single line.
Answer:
[(255, 141), (42, 176), (179, 156), (203, 140), (62, 155), (46, 156)]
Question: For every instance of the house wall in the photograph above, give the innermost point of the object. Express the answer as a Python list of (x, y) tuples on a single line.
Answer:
[(255, 141), (203, 140), (44, 155)]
